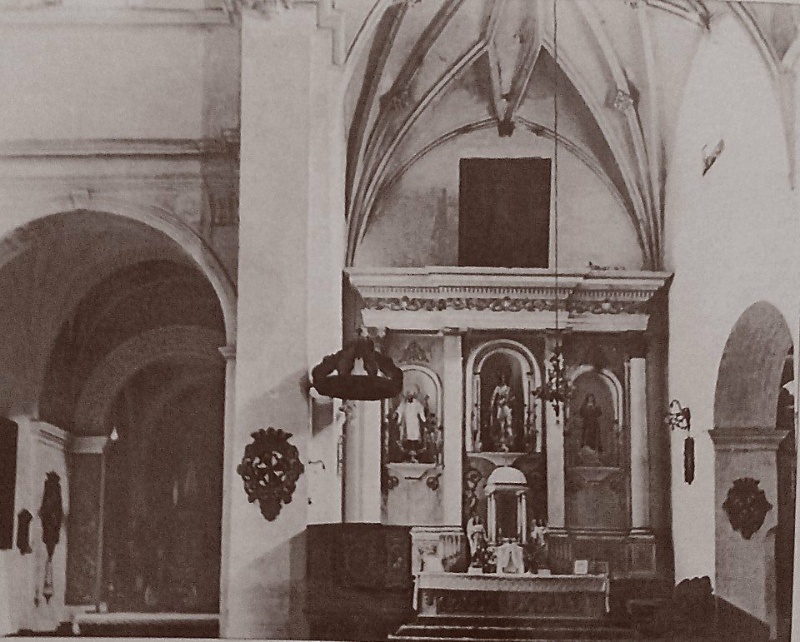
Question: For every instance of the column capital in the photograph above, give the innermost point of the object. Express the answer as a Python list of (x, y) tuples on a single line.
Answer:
[(94, 445), (453, 332), (747, 439), (228, 352)]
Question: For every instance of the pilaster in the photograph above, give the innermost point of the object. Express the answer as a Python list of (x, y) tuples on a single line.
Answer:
[(554, 431), (640, 451), (453, 417)]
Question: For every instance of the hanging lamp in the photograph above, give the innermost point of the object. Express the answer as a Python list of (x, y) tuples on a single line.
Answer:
[(358, 372), (556, 388)]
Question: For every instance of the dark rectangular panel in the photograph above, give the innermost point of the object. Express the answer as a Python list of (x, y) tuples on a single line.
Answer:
[(504, 212), (8, 481)]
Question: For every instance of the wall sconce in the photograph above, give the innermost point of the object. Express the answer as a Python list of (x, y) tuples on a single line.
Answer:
[(680, 418)]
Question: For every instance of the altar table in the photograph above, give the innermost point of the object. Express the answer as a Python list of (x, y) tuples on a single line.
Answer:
[(512, 594)]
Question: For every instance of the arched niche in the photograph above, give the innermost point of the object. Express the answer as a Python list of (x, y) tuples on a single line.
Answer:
[(412, 430), (596, 492), (596, 419), (504, 415)]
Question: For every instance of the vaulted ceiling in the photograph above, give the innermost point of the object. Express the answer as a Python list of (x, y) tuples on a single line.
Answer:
[(435, 69)]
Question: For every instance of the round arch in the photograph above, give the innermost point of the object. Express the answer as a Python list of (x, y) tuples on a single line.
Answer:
[(750, 370), (157, 218), (612, 383), (531, 379), (108, 379)]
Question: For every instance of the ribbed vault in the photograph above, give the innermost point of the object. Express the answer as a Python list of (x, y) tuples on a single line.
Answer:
[(429, 71)]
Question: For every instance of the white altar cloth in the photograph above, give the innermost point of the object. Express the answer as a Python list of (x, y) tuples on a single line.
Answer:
[(512, 583)]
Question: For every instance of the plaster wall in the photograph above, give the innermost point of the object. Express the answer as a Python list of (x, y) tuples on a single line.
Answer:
[(40, 450), (279, 208), (416, 223), (117, 82), (731, 241)]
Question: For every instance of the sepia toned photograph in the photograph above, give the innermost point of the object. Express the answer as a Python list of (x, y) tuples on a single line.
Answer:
[(399, 320)]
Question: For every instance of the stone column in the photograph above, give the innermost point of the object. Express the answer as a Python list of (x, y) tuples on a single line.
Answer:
[(640, 452), (555, 454), (453, 421), (362, 463), (229, 463), (745, 567), (84, 519)]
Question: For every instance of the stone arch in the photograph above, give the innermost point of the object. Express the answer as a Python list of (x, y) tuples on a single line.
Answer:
[(154, 217), (105, 383), (750, 369)]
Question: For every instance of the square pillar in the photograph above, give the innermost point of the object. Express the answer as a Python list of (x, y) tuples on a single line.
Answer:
[(745, 561)]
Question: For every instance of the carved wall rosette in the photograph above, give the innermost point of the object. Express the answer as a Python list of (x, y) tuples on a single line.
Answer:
[(270, 469), (746, 506)]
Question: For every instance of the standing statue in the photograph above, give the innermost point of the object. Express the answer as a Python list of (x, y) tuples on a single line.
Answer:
[(590, 415), (410, 416), (476, 537), (539, 532), (502, 414)]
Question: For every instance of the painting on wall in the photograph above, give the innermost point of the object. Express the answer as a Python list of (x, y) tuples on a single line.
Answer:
[(411, 432)]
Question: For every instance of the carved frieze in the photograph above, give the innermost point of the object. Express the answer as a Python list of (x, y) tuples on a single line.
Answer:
[(426, 299)]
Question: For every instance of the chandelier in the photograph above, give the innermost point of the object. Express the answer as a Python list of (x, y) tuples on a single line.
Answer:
[(358, 372), (556, 388)]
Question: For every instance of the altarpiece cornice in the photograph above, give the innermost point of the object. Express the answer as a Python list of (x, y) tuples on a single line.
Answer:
[(439, 298)]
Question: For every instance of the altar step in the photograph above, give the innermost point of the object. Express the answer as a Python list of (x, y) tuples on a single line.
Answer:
[(435, 628)]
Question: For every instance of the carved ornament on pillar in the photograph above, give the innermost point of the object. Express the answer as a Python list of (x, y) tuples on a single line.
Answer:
[(623, 101), (270, 469), (264, 7), (746, 506)]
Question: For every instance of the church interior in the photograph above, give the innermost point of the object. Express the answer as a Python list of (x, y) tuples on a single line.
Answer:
[(399, 320)]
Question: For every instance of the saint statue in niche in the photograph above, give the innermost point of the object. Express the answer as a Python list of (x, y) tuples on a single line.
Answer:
[(594, 436), (411, 417), (590, 415), (502, 414), (411, 431)]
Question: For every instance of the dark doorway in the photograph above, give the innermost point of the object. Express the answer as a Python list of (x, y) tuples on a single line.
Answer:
[(504, 212)]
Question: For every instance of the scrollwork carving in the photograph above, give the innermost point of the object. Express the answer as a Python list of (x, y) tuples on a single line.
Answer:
[(270, 469)]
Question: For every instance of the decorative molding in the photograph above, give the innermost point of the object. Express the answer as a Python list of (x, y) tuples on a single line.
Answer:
[(117, 12), (123, 147), (746, 506), (746, 439), (51, 435), (87, 445), (487, 298)]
